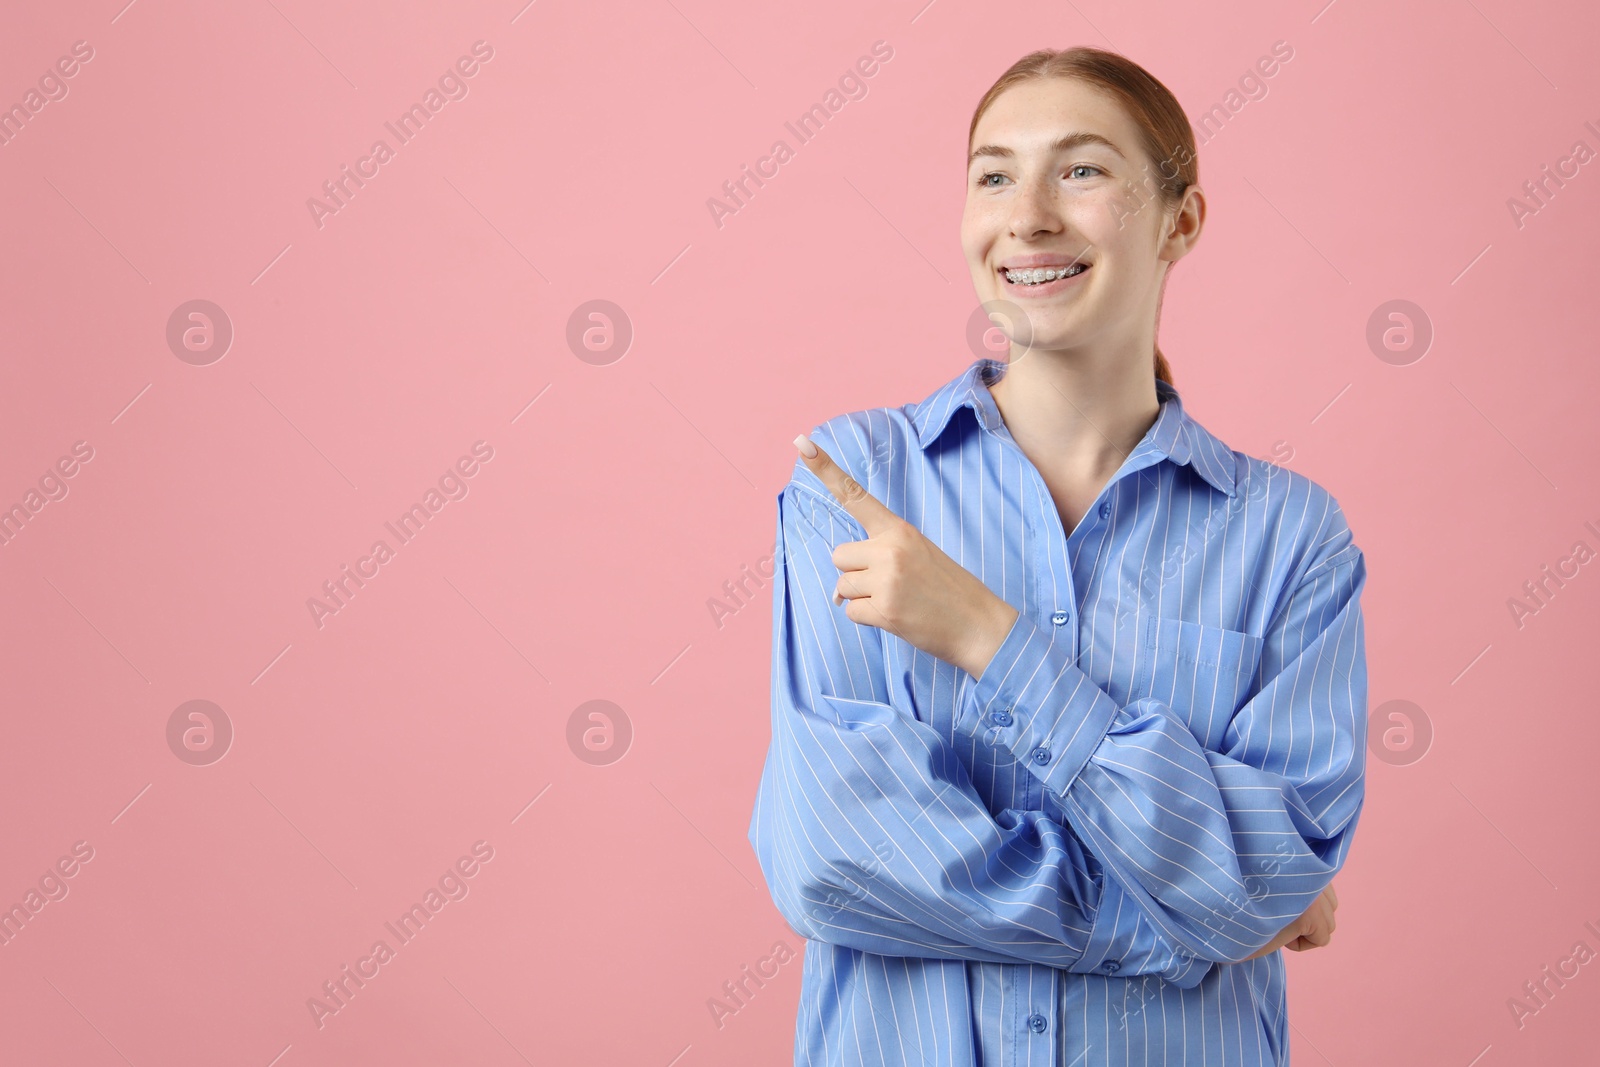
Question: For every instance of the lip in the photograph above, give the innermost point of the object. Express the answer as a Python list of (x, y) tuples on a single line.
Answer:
[(1034, 292), (1041, 259)]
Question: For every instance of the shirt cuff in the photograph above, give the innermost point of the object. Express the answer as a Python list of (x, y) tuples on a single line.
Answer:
[(1032, 700), (1123, 944)]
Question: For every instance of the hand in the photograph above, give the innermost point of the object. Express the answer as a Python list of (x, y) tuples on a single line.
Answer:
[(900, 581), (1313, 929)]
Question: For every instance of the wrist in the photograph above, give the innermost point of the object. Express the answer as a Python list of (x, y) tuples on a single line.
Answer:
[(989, 634)]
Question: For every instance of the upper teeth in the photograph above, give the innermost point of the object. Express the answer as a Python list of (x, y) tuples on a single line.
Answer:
[(1037, 275)]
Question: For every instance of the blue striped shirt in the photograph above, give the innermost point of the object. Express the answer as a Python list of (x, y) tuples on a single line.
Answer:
[(1064, 861)]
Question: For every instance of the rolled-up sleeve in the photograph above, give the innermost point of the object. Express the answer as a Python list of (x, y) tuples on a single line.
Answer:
[(1208, 853)]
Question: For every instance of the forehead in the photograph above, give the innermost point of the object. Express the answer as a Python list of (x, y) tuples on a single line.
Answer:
[(1031, 115)]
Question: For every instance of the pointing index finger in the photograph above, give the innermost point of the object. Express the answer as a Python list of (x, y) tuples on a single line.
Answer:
[(868, 510)]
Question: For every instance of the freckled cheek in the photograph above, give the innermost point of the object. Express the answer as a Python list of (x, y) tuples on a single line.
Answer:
[(1102, 214), (1083, 205), (980, 228), (976, 237), (985, 217)]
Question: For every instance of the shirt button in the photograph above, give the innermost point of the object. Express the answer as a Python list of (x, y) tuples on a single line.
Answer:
[(1105, 509), (1038, 1023), (1041, 755), (1060, 617), (1000, 717), (1111, 966)]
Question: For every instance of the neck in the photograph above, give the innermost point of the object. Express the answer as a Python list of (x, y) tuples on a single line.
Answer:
[(1078, 414)]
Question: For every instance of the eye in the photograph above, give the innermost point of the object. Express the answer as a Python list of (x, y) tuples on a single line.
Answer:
[(1084, 166), (983, 182)]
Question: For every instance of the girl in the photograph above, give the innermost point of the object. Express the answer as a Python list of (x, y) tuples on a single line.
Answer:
[(1069, 698)]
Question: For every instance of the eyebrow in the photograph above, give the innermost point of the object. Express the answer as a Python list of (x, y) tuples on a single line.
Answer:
[(1060, 144)]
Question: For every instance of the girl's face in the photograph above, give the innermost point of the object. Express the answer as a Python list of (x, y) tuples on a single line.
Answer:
[(1058, 180)]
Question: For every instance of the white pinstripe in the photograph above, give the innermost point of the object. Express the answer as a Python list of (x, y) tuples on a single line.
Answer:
[(1200, 717)]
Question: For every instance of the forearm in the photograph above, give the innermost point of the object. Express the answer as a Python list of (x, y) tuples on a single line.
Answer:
[(1218, 851), (871, 836)]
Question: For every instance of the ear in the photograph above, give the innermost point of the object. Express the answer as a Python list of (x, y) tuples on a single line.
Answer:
[(1182, 226)]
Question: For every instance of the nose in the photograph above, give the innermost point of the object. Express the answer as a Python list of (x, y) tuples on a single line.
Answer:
[(1033, 209)]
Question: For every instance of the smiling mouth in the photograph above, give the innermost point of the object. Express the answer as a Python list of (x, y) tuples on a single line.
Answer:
[(1031, 276)]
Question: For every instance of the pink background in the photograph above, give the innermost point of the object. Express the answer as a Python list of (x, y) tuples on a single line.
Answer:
[(369, 354)]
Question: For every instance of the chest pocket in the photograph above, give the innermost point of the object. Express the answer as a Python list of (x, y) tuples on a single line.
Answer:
[(1202, 672)]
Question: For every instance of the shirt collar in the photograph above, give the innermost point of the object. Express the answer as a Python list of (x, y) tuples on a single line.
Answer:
[(1174, 435)]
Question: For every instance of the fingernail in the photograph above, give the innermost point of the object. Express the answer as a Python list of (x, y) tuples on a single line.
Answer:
[(807, 449)]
